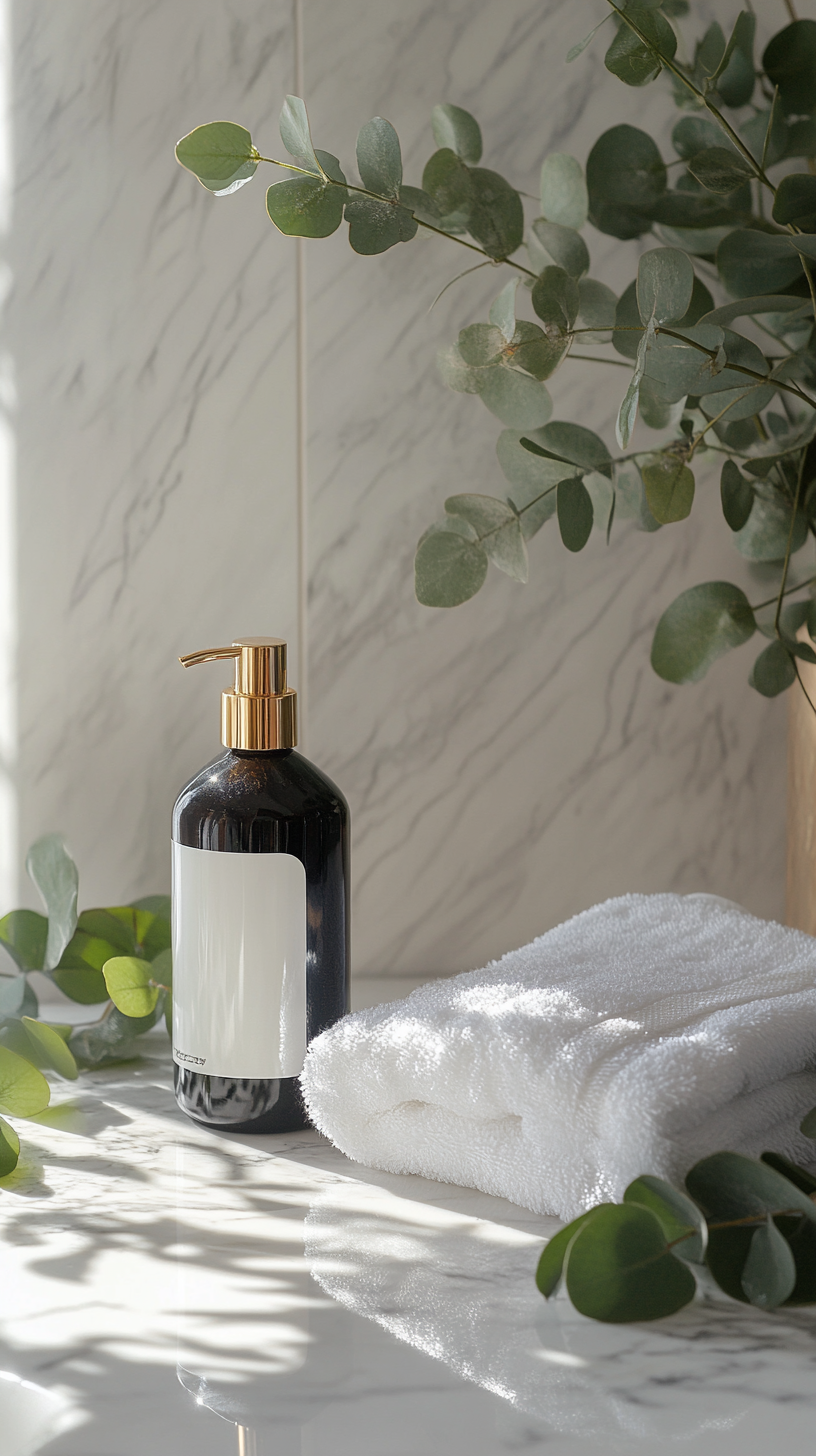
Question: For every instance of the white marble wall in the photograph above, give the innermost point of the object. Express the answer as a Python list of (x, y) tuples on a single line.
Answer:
[(507, 763)]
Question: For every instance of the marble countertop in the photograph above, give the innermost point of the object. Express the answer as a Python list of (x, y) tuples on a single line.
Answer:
[(167, 1290)]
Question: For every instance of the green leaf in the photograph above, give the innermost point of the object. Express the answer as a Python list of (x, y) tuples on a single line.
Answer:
[(565, 246), (24, 933), (735, 75), (498, 530), (808, 1123), (496, 218), (764, 537), (564, 198), (596, 311), (456, 373), (804, 243), (533, 481), (773, 672), (748, 307), (737, 496), (677, 368), (514, 398), (625, 177), (421, 205), (799, 1177), (752, 263), (220, 154), (536, 352), (50, 1047), (678, 1216), (158, 905), (113, 1038), (665, 280), (720, 169), (555, 298), (769, 1274), (118, 930), (448, 569), (575, 513), (551, 1264), (576, 444), (54, 873), (376, 226), (653, 409), (480, 344), (699, 626), (296, 133), (730, 1186), (789, 62), (161, 969), (618, 1268), (457, 130), (634, 60), (12, 994), (503, 310), (23, 1089), (627, 414), (695, 133), (9, 1148), (669, 488), (795, 201), (306, 207), (447, 182), (128, 983), (379, 159)]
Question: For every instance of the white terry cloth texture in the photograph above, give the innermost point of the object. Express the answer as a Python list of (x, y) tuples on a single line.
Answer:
[(635, 1038)]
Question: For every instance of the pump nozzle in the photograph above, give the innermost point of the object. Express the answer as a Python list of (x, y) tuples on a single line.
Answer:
[(259, 712)]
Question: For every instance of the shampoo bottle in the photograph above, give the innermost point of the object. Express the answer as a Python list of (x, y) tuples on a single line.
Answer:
[(260, 907)]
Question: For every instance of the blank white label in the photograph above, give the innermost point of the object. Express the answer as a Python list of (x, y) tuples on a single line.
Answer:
[(239, 963)]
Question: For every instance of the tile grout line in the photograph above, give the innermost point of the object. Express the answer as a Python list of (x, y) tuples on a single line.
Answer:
[(300, 427)]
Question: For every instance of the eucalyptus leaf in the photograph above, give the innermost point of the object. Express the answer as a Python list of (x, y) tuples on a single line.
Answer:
[(551, 1263), (24, 934), (773, 672), (694, 134), (55, 875), (12, 994), (625, 176), (618, 1267), (503, 310), (697, 628), (636, 58), (514, 398), (748, 307), (795, 201), (23, 1089), (309, 207), (596, 311), (112, 1039), (555, 298), (576, 444), (481, 344), (800, 1177), (421, 205), (496, 218), (456, 373), (769, 1275), (536, 352), (752, 263), (720, 169), (736, 494), (296, 134), (374, 227), (730, 1185), (789, 62), (128, 981), (735, 76), (564, 198), (764, 537), (448, 183), (220, 154), (575, 513), (379, 159), (9, 1148), (533, 481), (50, 1047), (448, 569), (665, 280), (498, 531), (669, 487), (808, 1123), (457, 130), (564, 245), (679, 1217)]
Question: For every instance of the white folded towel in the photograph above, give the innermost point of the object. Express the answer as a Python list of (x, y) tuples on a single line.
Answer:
[(635, 1038)]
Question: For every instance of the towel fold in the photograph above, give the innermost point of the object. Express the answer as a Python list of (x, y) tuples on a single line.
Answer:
[(635, 1038)]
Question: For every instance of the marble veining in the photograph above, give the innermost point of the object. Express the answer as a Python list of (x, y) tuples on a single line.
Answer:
[(164, 1286)]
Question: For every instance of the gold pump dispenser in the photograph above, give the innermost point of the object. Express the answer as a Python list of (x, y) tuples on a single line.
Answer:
[(259, 712)]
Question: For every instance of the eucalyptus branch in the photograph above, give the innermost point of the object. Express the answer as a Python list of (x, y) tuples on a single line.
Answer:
[(786, 562), (800, 586), (701, 96)]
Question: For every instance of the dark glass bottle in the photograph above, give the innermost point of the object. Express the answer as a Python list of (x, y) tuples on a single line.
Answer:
[(270, 801)]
